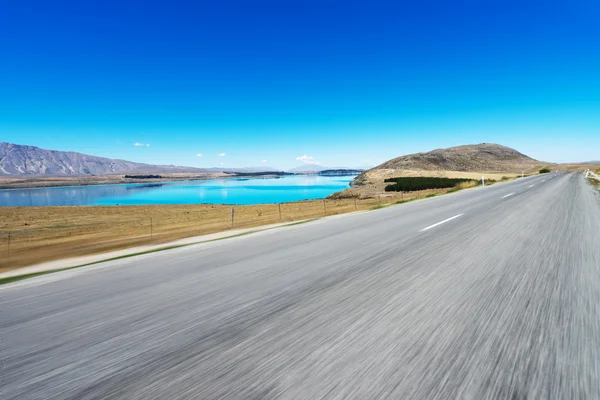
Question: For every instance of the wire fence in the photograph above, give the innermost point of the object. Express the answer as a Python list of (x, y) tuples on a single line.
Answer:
[(38, 234)]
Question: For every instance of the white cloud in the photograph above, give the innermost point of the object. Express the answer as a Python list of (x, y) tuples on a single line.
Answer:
[(221, 154), (264, 161), (222, 163), (138, 144), (308, 160), (198, 155)]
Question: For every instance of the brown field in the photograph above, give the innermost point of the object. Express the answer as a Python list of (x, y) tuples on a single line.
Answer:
[(30, 235), (575, 167)]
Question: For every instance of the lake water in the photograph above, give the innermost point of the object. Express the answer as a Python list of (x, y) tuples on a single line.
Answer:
[(217, 191)]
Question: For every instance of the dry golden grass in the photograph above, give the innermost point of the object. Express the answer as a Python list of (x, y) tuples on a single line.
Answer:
[(40, 234), (466, 185), (374, 184)]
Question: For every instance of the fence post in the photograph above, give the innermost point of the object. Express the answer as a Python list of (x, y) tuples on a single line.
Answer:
[(482, 181), (232, 217), (279, 204)]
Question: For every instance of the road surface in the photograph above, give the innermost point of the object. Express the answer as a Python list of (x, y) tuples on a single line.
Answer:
[(487, 293)]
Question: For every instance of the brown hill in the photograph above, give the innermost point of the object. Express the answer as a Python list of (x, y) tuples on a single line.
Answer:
[(466, 161), (468, 158)]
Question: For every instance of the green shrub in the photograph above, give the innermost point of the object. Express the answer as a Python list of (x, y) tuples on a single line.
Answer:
[(544, 171), (411, 184)]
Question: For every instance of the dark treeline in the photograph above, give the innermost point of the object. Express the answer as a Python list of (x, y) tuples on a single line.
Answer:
[(340, 171), (410, 184), (261, 173), (143, 176)]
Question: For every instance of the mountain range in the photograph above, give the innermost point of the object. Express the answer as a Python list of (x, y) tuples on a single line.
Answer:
[(23, 160), (18, 159)]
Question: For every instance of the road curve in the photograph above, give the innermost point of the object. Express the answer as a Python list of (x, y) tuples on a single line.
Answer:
[(487, 293)]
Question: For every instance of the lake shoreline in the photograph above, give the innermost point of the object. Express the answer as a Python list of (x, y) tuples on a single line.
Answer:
[(10, 183), (228, 189), (41, 182)]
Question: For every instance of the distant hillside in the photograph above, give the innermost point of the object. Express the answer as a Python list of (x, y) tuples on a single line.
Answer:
[(30, 160), (307, 168), (243, 169), (312, 168), (342, 171), (482, 157), (477, 157)]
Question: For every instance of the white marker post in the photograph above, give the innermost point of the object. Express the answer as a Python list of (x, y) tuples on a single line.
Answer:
[(482, 180), (522, 174)]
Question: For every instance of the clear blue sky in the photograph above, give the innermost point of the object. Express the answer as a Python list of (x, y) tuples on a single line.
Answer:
[(342, 83)]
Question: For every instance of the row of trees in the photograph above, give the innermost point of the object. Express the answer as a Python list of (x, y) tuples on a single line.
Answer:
[(410, 184), (142, 176)]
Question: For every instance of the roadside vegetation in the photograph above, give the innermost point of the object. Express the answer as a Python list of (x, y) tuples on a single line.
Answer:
[(545, 171), (31, 235), (411, 184)]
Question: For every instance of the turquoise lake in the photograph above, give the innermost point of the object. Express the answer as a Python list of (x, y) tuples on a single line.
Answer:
[(216, 191)]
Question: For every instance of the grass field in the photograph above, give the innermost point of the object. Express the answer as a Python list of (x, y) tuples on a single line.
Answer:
[(30, 235)]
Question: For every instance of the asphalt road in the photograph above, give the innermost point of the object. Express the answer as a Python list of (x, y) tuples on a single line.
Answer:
[(502, 300)]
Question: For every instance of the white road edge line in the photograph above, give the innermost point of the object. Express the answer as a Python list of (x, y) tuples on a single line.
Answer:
[(510, 194), (439, 223), (531, 185)]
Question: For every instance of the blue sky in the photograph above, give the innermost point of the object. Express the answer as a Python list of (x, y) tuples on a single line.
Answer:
[(280, 83)]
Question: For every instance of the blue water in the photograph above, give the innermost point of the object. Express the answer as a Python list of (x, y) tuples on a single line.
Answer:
[(217, 191)]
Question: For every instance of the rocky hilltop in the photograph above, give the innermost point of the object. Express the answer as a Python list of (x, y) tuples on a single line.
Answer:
[(477, 157), (454, 161), (18, 160)]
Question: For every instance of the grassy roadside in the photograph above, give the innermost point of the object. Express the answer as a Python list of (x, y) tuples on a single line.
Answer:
[(32, 275), (32, 235), (49, 233)]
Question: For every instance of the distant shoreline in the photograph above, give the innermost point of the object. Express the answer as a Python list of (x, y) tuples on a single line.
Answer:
[(38, 182), (10, 183)]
